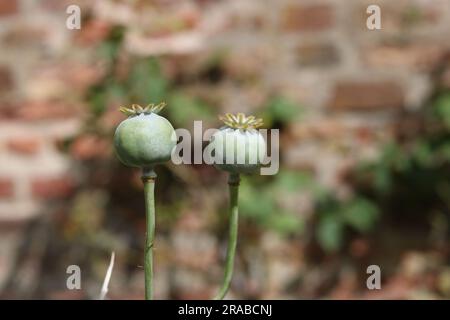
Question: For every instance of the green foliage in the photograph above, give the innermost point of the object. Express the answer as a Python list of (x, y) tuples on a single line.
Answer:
[(280, 110), (109, 49), (146, 82), (412, 16), (185, 109), (442, 109), (336, 217), (411, 177), (260, 201), (330, 232), (360, 214)]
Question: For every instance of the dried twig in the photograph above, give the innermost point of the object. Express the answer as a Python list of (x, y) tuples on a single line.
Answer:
[(107, 278)]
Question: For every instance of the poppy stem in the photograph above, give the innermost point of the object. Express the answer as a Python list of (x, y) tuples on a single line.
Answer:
[(233, 183), (148, 178)]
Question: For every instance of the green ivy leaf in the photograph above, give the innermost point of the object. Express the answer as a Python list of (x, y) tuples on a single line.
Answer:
[(286, 222), (253, 204), (423, 154), (293, 181), (360, 214), (444, 151), (442, 108), (280, 109), (330, 232), (146, 83)]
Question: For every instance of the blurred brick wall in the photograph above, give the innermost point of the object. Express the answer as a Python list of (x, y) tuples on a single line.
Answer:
[(320, 54)]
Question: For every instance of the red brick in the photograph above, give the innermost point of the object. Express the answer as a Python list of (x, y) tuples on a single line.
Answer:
[(93, 32), (57, 5), (8, 110), (324, 129), (317, 54), (247, 63), (8, 7), (364, 134), (26, 34), (52, 81), (12, 224), (314, 17), (44, 110), (6, 82), (67, 295), (111, 118), (6, 188), (354, 95), (80, 77), (52, 188), (446, 79), (90, 147), (24, 145), (423, 57), (190, 17)]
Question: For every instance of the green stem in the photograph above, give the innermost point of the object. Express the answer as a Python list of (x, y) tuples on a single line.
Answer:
[(148, 178), (233, 183)]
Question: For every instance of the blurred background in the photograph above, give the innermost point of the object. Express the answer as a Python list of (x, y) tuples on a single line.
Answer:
[(364, 118)]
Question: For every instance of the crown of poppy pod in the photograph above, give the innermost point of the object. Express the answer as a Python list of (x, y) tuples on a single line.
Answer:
[(240, 121), (136, 109)]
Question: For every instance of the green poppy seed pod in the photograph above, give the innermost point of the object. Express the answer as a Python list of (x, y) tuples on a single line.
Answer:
[(239, 147), (144, 138)]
